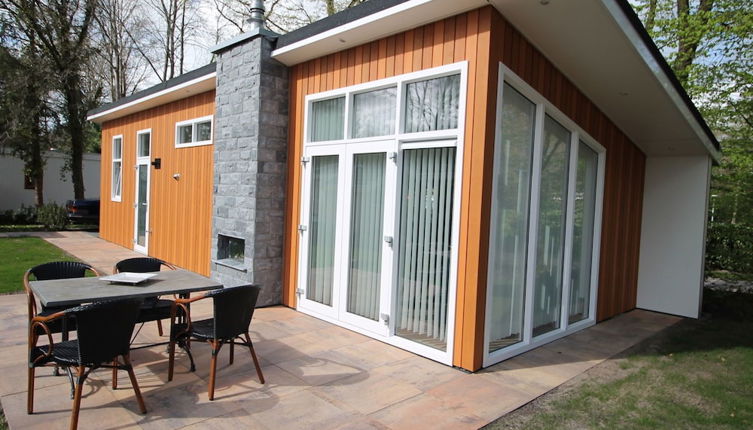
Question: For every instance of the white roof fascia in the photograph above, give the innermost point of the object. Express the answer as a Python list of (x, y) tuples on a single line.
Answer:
[(411, 14), (155, 97)]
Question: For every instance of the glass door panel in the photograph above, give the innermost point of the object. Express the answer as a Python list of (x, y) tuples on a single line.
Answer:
[(584, 212), (322, 224), (509, 224), (141, 204), (366, 238), (551, 228), (424, 254)]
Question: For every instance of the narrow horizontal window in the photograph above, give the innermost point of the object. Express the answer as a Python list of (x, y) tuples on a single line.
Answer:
[(194, 132)]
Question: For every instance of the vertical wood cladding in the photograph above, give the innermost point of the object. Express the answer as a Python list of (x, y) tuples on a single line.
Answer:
[(482, 38), (180, 211)]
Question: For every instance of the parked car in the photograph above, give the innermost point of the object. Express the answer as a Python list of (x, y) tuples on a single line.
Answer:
[(83, 211)]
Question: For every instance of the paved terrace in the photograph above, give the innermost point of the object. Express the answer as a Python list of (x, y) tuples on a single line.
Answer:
[(318, 376)]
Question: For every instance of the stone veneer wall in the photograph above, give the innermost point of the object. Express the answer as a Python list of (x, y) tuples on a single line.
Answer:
[(250, 166)]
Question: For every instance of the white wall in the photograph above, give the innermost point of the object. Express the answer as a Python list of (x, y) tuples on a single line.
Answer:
[(670, 277), (55, 190)]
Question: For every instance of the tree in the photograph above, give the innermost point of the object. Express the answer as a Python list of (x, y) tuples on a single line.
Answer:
[(709, 44), (172, 26), (280, 16), (24, 109), (118, 59), (60, 28)]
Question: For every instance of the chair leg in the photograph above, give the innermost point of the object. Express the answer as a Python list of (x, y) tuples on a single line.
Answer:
[(171, 359), (232, 350), (216, 345), (253, 355), (30, 391), (77, 397), (115, 374), (134, 383), (159, 327)]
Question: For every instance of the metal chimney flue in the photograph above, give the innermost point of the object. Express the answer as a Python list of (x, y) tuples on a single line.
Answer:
[(256, 15)]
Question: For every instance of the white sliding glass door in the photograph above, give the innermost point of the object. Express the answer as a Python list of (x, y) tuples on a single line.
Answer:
[(545, 224)]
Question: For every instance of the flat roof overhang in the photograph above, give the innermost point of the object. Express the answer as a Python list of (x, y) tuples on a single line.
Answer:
[(191, 83), (595, 43)]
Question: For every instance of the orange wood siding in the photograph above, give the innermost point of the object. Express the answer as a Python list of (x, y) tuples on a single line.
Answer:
[(180, 212), (483, 38)]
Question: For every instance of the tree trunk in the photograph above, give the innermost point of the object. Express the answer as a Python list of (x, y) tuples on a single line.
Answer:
[(689, 36), (75, 128)]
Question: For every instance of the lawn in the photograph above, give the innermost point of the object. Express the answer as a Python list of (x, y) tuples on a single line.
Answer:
[(696, 374), (19, 254)]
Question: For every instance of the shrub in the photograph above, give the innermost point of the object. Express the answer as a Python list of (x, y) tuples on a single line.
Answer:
[(52, 216), (25, 215), (729, 247)]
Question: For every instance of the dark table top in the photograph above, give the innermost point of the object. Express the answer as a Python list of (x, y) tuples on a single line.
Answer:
[(68, 292)]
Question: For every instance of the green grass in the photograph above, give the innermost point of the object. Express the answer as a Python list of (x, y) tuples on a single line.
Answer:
[(697, 374), (19, 254), (3, 423)]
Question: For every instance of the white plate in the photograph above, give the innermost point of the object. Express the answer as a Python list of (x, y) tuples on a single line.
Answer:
[(128, 277)]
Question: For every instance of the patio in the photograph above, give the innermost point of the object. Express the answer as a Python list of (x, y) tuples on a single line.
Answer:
[(318, 376)]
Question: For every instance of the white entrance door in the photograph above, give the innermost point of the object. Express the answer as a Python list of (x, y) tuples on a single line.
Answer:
[(347, 233), (141, 205)]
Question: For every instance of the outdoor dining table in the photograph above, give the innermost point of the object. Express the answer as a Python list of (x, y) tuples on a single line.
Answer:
[(75, 291)]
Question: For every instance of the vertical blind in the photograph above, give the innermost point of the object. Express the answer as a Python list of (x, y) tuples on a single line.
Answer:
[(584, 213), (327, 119), (432, 104), (551, 228), (366, 221), (374, 113), (425, 245), (509, 240), (322, 224)]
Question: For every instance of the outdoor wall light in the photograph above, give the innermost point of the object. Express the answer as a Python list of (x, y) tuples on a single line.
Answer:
[(176, 176)]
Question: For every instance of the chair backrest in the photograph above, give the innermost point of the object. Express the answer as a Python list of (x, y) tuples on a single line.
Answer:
[(60, 270), (141, 265), (104, 329), (53, 270), (233, 309)]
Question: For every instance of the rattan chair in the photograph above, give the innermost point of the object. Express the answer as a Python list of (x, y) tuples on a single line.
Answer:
[(103, 334), (154, 308), (233, 310), (50, 271)]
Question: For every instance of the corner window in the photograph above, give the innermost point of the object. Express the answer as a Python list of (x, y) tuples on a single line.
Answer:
[(194, 132), (117, 168)]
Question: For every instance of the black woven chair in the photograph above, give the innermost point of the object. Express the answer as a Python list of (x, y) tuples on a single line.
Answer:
[(103, 334), (154, 308), (49, 271), (233, 310)]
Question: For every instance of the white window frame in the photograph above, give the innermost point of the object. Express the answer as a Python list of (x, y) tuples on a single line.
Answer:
[(439, 138), (193, 123), (577, 134), (116, 197)]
